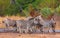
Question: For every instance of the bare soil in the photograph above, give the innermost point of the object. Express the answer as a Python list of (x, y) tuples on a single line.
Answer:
[(16, 35)]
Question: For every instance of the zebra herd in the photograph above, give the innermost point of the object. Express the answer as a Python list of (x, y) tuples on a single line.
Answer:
[(31, 25)]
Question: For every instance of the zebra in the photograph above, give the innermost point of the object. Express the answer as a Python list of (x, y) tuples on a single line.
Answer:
[(52, 23), (24, 26), (8, 22), (46, 23), (36, 24), (27, 25)]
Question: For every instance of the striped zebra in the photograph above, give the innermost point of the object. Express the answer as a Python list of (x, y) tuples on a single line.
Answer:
[(28, 25), (24, 26), (8, 22), (46, 23)]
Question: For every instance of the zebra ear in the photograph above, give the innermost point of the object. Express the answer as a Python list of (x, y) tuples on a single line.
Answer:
[(41, 16), (55, 23), (53, 18), (2, 21)]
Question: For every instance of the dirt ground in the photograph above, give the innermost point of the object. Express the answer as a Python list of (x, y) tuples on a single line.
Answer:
[(17, 35)]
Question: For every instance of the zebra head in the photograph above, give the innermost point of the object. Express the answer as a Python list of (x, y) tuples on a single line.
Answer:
[(38, 20)]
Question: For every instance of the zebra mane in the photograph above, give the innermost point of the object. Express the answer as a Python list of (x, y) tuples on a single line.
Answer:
[(31, 18)]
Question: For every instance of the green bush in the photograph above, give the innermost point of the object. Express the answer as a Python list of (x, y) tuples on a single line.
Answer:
[(57, 10), (7, 8), (46, 12)]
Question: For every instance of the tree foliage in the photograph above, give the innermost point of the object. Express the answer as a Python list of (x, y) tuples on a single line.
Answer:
[(23, 7)]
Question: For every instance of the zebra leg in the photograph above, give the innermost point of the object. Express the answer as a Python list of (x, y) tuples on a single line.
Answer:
[(53, 28), (7, 26), (20, 30), (17, 29), (41, 29), (29, 30)]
